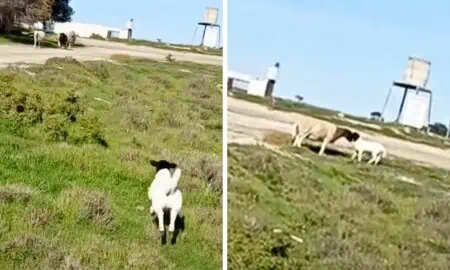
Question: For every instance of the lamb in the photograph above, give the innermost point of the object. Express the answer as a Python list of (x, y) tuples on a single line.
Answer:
[(67, 40), (375, 148), (62, 40), (71, 38), (164, 193), (320, 131), (38, 36)]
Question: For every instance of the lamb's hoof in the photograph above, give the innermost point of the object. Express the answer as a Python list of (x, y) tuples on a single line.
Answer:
[(163, 237)]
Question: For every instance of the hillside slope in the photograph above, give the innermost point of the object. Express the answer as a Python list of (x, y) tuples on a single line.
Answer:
[(296, 210), (76, 140)]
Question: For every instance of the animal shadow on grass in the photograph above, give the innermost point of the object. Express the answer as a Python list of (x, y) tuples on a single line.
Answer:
[(328, 151), (180, 226)]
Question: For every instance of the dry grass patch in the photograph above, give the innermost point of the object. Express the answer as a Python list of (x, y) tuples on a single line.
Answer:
[(277, 138), (88, 205), (16, 193), (120, 57)]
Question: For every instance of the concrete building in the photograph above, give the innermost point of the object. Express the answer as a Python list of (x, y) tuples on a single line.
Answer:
[(246, 83)]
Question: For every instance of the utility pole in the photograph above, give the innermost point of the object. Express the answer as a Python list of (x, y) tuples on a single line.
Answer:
[(448, 130)]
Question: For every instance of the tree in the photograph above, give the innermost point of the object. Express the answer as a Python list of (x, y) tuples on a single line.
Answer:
[(62, 11), (375, 114), (28, 11), (439, 129), (299, 98)]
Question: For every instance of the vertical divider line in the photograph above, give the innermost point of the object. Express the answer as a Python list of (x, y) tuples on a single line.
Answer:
[(224, 136)]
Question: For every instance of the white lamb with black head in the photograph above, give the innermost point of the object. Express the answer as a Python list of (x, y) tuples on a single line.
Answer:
[(361, 146), (164, 193)]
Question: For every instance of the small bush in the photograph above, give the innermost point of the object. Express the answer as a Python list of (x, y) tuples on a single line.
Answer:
[(169, 58), (87, 205), (22, 108), (55, 128), (97, 36), (62, 60), (200, 87)]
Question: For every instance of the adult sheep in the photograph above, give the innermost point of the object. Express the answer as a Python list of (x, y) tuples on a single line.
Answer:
[(320, 131), (66, 40), (38, 36), (71, 38)]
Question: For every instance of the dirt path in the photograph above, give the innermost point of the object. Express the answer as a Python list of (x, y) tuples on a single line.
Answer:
[(13, 53), (248, 122)]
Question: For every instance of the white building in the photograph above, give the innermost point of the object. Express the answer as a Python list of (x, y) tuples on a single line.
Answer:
[(84, 29), (87, 30), (250, 84)]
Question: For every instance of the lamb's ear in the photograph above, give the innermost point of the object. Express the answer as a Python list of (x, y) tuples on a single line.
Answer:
[(355, 136), (154, 163)]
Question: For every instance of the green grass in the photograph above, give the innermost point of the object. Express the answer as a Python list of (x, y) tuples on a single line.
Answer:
[(76, 140), (330, 115), (349, 216)]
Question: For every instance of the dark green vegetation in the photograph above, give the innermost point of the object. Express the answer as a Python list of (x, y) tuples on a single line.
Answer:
[(75, 142), (20, 37), (387, 129), (349, 216)]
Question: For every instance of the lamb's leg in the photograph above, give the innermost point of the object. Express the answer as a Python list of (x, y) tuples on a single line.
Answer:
[(377, 160), (34, 46), (354, 155), (160, 214), (360, 156), (299, 139), (374, 157), (173, 217), (322, 148)]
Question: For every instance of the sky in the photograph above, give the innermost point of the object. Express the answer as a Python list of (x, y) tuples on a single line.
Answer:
[(170, 20), (343, 55)]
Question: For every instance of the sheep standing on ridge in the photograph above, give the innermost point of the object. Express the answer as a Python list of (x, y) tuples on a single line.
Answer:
[(375, 148), (71, 38), (66, 40), (62, 40), (38, 36), (164, 193), (320, 131)]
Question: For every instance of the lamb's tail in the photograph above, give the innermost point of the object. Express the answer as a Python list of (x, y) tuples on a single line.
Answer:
[(384, 153), (176, 176), (295, 132)]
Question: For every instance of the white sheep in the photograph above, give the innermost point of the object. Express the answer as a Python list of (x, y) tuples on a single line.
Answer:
[(319, 131), (71, 38), (38, 36), (164, 193), (376, 149)]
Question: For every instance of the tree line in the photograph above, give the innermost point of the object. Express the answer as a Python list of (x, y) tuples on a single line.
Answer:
[(30, 11)]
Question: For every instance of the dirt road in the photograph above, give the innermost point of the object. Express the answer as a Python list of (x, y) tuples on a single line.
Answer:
[(248, 122), (94, 49)]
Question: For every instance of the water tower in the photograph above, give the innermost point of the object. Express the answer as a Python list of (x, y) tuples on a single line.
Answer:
[(415, 107), (211, 30)]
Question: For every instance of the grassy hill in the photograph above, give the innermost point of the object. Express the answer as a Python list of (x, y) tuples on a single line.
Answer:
[(295, 210), (76, 140)]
